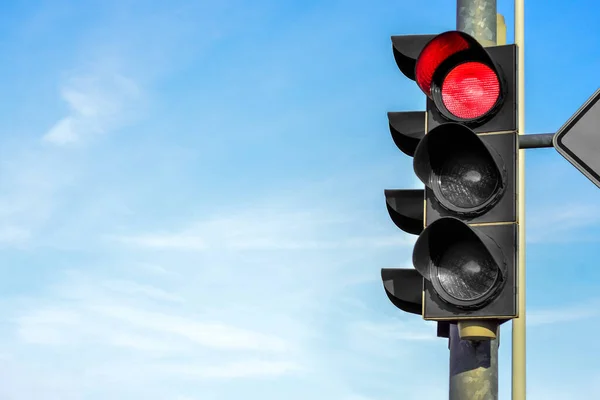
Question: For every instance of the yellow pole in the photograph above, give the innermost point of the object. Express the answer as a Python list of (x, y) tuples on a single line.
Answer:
[(500, 30), (518, 327)]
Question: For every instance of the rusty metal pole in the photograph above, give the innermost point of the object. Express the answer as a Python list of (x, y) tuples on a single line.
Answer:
[(473, 368), (478, 19), (474, 365)]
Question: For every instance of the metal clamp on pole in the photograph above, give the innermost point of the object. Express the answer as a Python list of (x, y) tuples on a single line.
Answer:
[(537, 141)]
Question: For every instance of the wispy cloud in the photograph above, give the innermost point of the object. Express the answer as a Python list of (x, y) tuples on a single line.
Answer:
[(191, 372), (380, 341), (559, 315), (562, 223), (415, 330), (577, 386), (195, 242), (165, 241), (13, 235), (98, 102), (211, 315), (148, 291), (214, 335), (274, 231), (242, 369), (121, 319), (113, 324), (31, 186)]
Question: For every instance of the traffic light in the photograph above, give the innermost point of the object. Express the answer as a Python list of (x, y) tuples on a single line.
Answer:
[(466, 251)]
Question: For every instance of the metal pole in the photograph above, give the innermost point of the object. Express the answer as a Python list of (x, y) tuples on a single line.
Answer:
[(473, 368), (518, 324), (474, 365), (478, 19), (536, 141)]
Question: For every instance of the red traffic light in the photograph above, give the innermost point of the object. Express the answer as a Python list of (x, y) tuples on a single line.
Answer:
[(470, 90), (438, 50), (456, 72)]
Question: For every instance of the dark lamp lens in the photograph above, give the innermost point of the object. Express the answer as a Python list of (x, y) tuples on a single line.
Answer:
[(468, 179), (466, 271), (470, 90)]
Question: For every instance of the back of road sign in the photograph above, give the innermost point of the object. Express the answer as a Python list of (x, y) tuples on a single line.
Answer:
[(579, 139)]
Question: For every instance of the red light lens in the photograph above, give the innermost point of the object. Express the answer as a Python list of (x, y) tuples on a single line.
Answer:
[(434, 53), (470, 90)]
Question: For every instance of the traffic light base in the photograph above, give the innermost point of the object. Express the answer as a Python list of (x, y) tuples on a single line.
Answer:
[(477, 330)]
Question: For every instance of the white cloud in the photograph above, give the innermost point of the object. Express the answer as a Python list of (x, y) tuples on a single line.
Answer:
[(14, 235), (381, 341), (134, 288), (240, 369), (31, 184), (192, 371), (209, 334), (280, 243), (165, 241), (98, 101), (561, 223), (114, 324), (583, 385), (144, 343), (277, 231), (214, 315), (63, 132), (47, 326), (358, 397), (559, 315), (412, 330)]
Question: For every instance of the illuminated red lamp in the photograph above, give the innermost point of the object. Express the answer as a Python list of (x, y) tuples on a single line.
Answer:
[(470, 90), (456, 72)]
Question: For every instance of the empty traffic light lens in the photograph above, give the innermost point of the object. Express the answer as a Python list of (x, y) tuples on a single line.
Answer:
[(468, 179), (470, 90), (465, 266), (466, 271)]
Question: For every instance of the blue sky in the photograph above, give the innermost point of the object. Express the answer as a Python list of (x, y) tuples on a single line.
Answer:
[(191, 202)]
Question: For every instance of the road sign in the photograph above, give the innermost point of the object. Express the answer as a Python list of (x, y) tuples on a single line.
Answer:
[(579, 139)]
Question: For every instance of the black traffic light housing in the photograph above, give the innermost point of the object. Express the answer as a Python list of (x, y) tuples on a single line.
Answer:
[(466, 253), (452, 54), (504, 119), (407, 129), (405, 207), (483, 287), (406, 50), (404, 288), (492, 155)]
